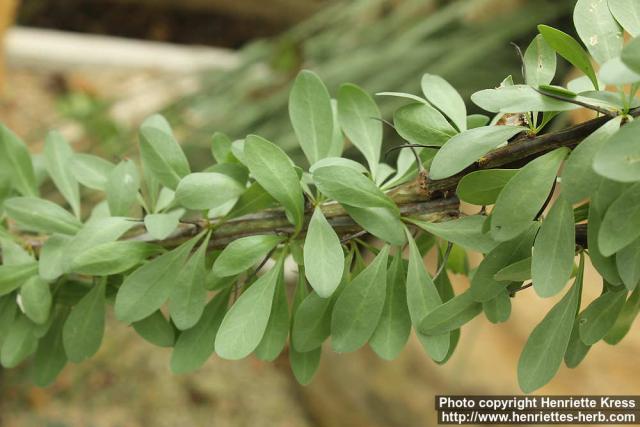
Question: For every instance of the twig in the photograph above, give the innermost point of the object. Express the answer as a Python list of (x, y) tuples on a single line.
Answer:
[(575, 101), (521, 288), (445, 259)]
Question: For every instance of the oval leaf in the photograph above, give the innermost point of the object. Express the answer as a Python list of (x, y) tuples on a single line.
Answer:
[(545, 349), (58, 157), (467, 147), (359, 118), (422, 298), (241, 254), (323, 256), (524, 195), (84, 328), (483, 187), (554, 250), (244, 324), (445, 98), (358, 308), (271, 167), (207, 190), (41, 215), (311, 116)]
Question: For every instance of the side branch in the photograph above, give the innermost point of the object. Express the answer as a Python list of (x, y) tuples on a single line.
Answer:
[(522, 150), (274, 221)]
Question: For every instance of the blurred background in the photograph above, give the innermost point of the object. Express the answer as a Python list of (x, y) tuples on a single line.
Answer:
[(94, 69)]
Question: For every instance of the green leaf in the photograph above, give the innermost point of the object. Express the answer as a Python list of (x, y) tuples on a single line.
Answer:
[(20, 343), (112, 257), (13, 253), (554, 250), (148, 288), (597, 29), (323, 256), (207, 190), (51, 264), (518, 99), (50, 357), (451, 315), (15, 157), (598, 318), (483, 187), (277, 331), (467, 147), (58, 157), (578, 177), (569, 49), (616, 72), (423, 298), (337, 139), (13, 276), (420, 123), (84, 328), (304, 365), (271, 167), (465, 231), (498, 309), (358, 308), (338, 161), (196, 345), (606, 193), (621, 223), (221, 148), (628, 263), (160, 152), (122, 187), (627, 13), (359, 118), (243, 253), (188, 296), (524, 195), (445, 98), (619, 158), (8, 309), (393, 329), (582, 84), (312, 322), (383, 223), (519, 271), (36, 299), (477, 120), (605, 265), (245, 323), (156, 329), (95, 232), (91, 171), (311, 116), (539, 62), (576, 350), (625, 319), (41, 215), (631, 55), (484, 285), (254, 199), (350, 187), (545, 349), (161, 225)]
